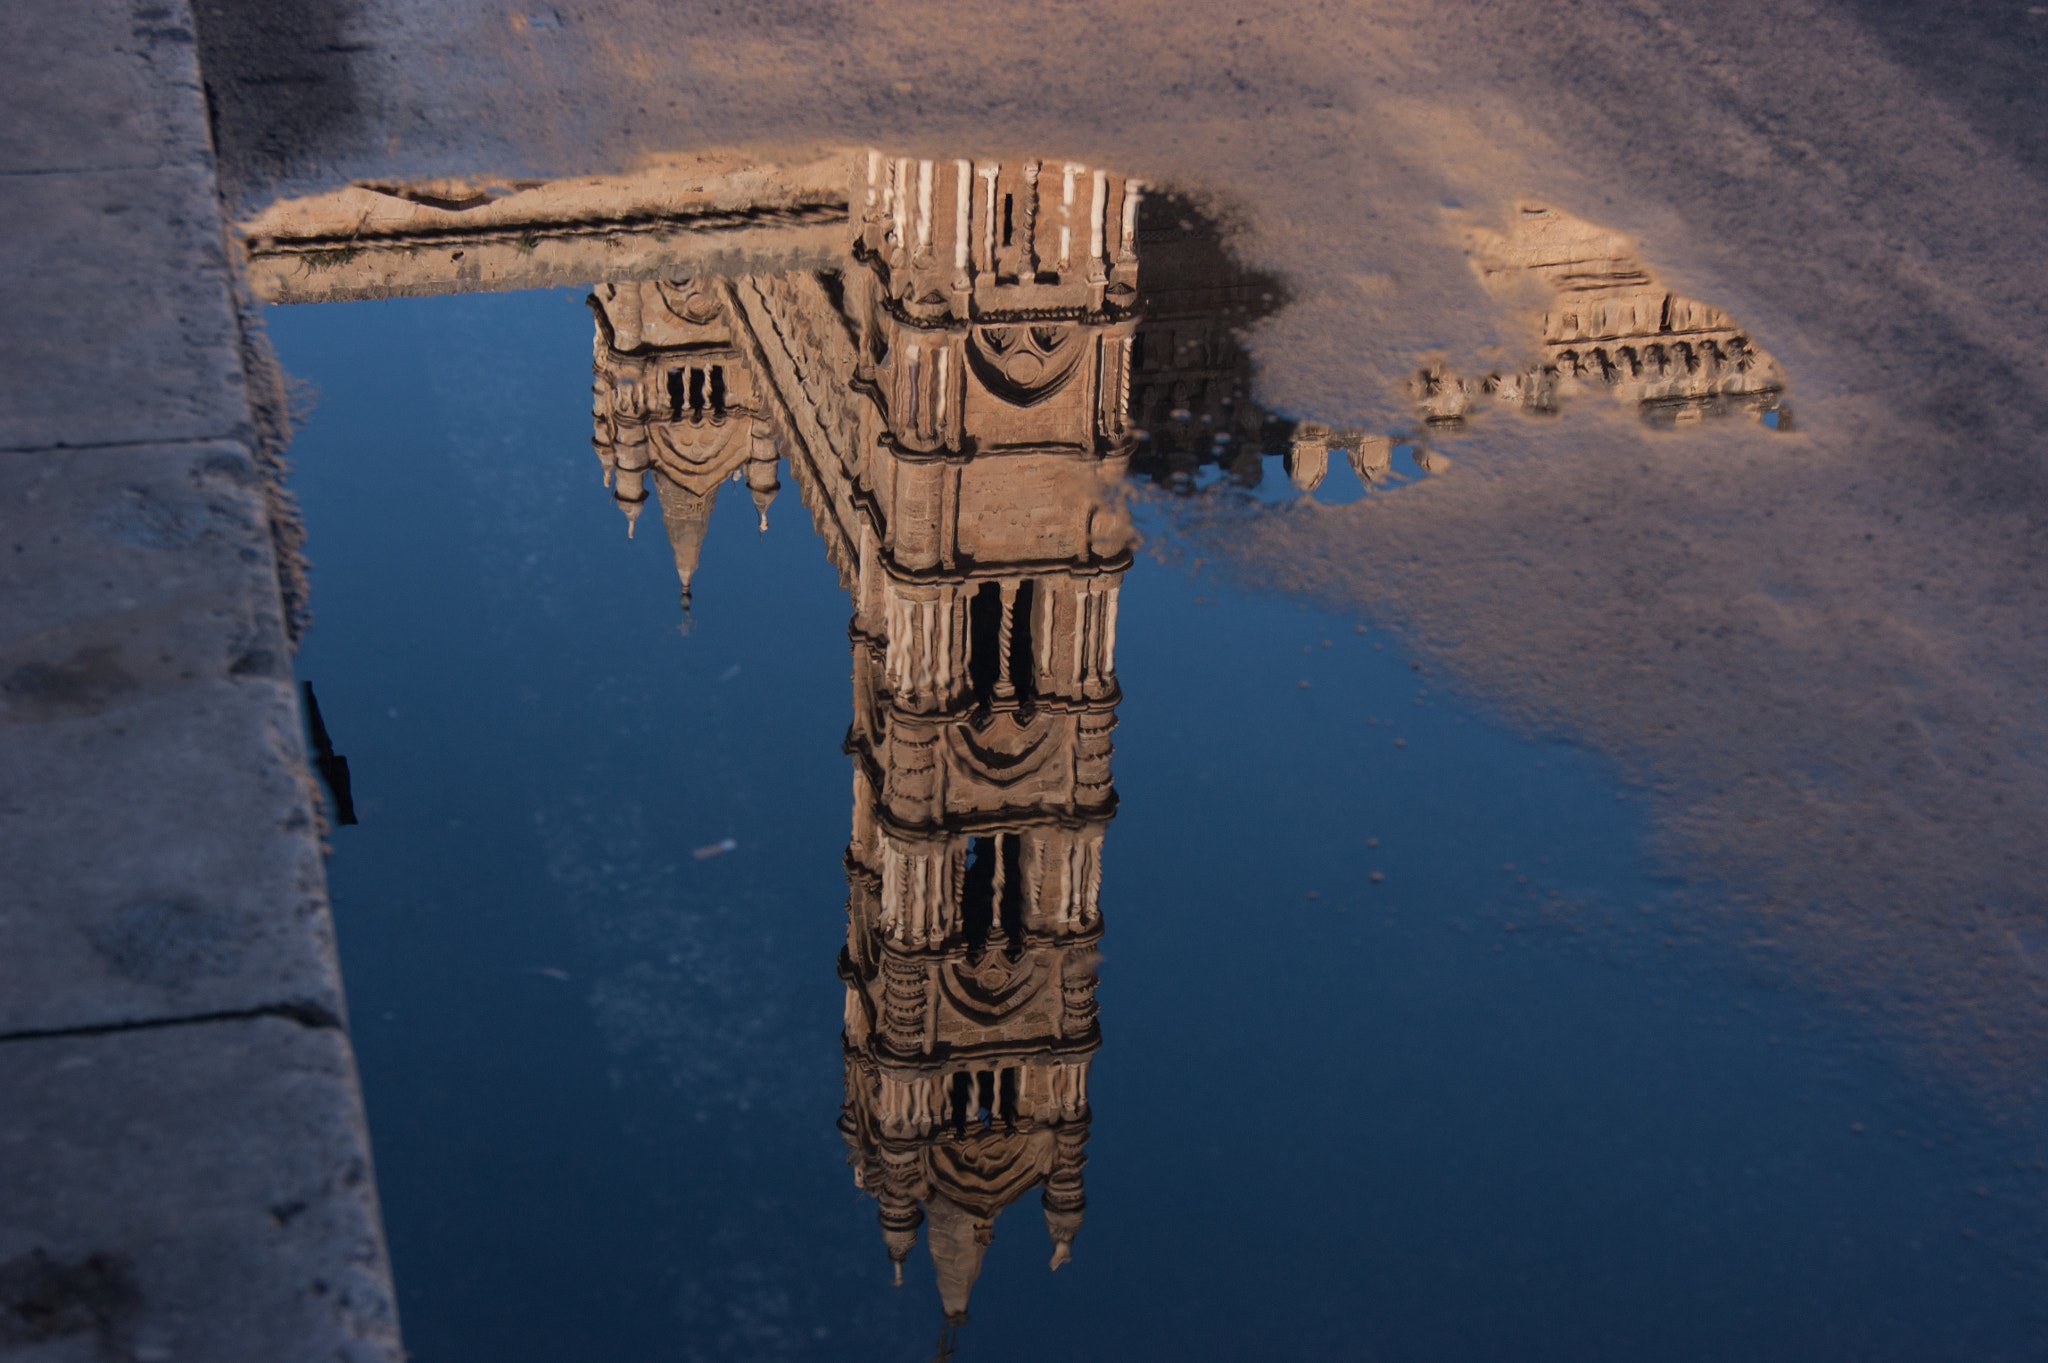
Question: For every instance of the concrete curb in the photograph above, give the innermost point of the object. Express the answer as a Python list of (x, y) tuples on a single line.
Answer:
[(184, 1163)]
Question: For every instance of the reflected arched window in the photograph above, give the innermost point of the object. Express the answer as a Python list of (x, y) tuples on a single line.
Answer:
[(1023, 672), (984, 642), (978, 895), (1012, 910)]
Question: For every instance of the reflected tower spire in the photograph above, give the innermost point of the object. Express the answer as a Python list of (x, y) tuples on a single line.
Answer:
[(953, 403), (987, 321), (675, 396)]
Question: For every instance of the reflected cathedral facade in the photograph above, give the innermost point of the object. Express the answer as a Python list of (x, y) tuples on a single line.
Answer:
[(954, 407), (958, 404)]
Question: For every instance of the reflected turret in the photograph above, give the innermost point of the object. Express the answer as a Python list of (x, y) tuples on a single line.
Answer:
[(675, 400)]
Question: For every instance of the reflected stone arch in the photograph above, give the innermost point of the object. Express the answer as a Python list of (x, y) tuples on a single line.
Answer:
[(1026, 364)]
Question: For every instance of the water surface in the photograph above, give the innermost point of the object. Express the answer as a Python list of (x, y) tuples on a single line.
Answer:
[(1343, 1015)]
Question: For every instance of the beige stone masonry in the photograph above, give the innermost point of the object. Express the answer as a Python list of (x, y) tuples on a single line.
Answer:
[(707, 214)]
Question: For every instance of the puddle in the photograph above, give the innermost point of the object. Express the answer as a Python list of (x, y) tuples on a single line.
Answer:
[(1213, 928)]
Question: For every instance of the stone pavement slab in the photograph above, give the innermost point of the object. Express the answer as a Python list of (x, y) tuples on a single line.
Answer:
[(184, 1170), (99, 85), (162, 859), (197, 1192), (119, 325)]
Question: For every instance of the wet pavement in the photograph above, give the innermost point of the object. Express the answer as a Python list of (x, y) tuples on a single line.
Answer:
[(1041, 833), (1407, 722)]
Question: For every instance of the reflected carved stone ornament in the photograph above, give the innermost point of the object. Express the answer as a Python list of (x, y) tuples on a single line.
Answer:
[(1608, 327)]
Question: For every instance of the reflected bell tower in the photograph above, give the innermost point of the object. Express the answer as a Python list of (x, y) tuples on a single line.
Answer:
[(953, 402), (992, 305)]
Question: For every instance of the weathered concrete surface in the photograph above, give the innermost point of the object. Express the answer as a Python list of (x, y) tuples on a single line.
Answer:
[(120, 324), (183, 1166), (192, 1192), (99, 85), (163, 859)]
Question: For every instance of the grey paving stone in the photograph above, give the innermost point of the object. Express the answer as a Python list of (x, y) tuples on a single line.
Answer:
[(91, 534), (159, 856), (119, 325), (196, 1192), (99, 85), (183, 1190)]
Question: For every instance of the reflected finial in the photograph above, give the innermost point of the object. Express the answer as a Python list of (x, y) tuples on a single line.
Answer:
[(1062, 1253), (761, 481), (686, 517), (901, 1217)]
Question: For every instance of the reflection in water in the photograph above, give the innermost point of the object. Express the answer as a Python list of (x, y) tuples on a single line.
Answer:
[(673, 399), (1605, 323), (958, 401), (1608, 325), (954, 406), (959, 388), (1191, 392)]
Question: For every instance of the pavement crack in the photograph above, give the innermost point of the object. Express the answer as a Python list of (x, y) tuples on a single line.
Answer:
[(305, 1014)]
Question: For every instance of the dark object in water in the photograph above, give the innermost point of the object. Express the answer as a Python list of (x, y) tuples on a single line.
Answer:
[(333, 766)]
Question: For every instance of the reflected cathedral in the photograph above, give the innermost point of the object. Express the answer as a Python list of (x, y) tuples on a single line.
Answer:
[(959, 403), (954, 406)]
